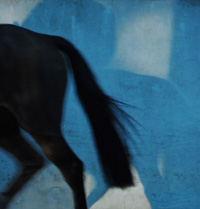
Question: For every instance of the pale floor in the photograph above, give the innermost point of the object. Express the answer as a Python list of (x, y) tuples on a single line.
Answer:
[(48, 188)]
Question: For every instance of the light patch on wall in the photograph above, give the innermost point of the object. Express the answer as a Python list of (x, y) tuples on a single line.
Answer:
[(143, 41), (160, 165), (16, 10), (130, 198)]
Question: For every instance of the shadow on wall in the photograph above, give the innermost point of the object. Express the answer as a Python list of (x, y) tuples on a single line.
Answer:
[(144, 44)]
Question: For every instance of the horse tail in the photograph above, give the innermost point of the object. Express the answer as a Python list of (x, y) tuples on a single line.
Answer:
[(102, 112)]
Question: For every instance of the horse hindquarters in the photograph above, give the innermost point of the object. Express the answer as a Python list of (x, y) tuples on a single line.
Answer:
[(36, 99)]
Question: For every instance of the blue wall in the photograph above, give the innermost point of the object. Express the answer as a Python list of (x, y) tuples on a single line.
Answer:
[(168, 109)]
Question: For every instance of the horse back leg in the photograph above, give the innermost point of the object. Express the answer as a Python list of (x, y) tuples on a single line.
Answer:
[(30, 160), (61, 155)]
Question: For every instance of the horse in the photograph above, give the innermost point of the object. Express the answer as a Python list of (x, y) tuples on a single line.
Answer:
[(33, 80)]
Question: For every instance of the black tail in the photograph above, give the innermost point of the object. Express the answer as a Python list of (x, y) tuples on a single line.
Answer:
[(101, 111)]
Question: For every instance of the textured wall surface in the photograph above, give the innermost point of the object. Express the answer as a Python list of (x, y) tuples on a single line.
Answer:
[(144, 53)]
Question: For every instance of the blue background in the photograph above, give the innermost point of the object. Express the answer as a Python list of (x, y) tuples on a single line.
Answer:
[(168, 109)]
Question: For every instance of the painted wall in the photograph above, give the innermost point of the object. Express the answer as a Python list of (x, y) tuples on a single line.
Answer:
[(144, 53)]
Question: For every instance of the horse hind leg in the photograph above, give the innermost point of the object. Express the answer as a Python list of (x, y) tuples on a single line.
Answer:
[(30, 160), (60, 154)]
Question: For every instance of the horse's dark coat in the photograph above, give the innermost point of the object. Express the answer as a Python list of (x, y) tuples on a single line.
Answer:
[(32, 85)]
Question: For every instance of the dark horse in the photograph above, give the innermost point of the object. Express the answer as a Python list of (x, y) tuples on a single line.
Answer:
[(32, 85)]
